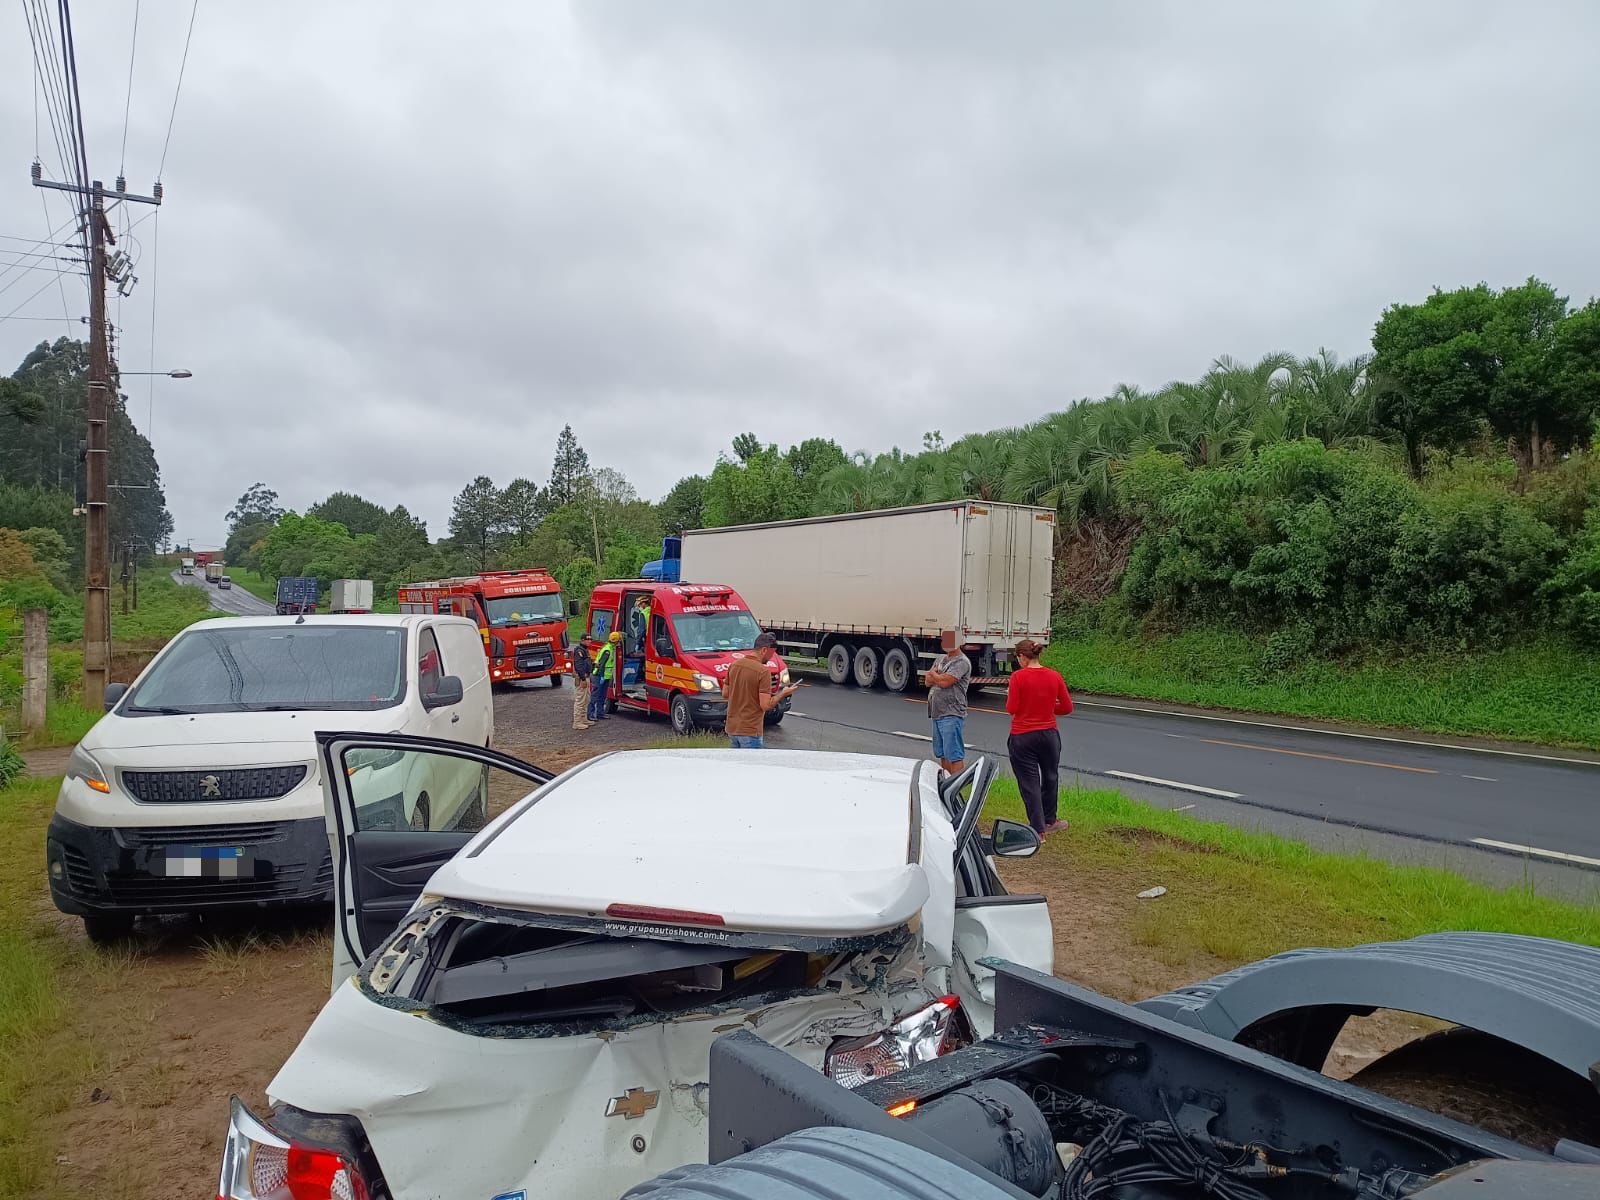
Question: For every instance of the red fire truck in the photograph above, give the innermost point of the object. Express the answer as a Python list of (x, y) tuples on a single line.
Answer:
[(520, 614)]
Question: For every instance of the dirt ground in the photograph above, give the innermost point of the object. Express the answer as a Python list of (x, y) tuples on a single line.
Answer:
[(159, 1034)]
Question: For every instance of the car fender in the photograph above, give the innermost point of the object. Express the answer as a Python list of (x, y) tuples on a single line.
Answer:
[(1537, 993)]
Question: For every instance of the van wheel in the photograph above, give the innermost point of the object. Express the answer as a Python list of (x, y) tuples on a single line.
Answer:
[(869, 667), (682, 721), (419, 815), (897, 673), (839, 663), (106, 928)]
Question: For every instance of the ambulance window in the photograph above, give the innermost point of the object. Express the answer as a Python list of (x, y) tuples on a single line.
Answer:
[(600, 624), (660, 639), (429, 669)]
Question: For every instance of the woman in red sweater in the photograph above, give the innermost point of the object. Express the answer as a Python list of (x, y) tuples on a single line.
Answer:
[(1038, 695)]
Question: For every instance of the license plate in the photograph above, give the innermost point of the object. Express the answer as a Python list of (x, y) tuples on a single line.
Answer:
[(208, 862)]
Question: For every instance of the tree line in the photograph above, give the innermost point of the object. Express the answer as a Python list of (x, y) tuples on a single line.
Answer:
[(1441, 489)]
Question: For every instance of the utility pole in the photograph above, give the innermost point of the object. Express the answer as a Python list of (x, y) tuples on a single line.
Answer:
[(97, 521)]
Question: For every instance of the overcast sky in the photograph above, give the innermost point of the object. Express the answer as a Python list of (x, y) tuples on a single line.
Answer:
[(404, 243)]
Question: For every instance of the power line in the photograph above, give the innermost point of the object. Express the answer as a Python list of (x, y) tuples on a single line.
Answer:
[(127, 103), (184, 62), (65, 315), (77, 100), (44, 62), (25, 303)]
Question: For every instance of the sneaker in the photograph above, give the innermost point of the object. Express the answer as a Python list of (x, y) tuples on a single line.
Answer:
[(1055, 825)]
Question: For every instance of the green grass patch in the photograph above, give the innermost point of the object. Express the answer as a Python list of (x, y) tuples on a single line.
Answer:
[(31, 1001), (1240, 895), (1546, 692)]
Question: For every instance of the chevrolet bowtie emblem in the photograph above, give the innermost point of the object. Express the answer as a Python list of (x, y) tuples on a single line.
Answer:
[(210, 785), (632, 1104)]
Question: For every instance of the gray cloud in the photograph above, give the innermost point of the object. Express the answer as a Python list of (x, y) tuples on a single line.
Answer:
[(405, 243)]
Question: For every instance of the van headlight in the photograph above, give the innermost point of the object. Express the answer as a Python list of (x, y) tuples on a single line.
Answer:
[(707, 683), (81, 765)]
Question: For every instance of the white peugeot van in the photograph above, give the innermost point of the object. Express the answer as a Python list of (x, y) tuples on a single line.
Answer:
[(200, 788)]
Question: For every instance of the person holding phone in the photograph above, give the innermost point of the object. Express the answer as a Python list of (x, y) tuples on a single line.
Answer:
[(748, 690)]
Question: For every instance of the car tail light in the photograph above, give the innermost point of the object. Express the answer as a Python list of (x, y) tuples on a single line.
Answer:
[(916, 1037), (258, 1163)]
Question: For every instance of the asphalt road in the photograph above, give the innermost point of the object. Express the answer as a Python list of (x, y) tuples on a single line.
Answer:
[(232, 600), (1501, 814)]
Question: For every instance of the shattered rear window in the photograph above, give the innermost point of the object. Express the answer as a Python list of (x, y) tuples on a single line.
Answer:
[(531, 975)]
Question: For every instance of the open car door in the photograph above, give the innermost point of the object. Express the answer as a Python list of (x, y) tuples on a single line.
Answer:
[(991, 922), (397, 808)]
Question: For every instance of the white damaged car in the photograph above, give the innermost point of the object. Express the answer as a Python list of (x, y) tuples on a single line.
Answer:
[(535, 1003)]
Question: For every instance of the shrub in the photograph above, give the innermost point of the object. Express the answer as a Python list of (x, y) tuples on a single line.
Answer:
[(1574, 586)]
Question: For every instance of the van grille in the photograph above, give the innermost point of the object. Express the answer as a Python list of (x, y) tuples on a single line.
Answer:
[(253, 834), (282, 884), (182, 787), (80, 875)]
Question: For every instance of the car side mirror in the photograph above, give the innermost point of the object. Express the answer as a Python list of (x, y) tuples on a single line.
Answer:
[(1012, 839), (572, 608), (115, 692), (446, 692)]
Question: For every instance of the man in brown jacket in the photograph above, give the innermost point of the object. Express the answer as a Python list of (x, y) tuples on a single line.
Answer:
[(748, 690)]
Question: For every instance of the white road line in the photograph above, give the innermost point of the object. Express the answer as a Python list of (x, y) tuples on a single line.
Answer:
[(921, 737), (1481, 778), (1347, 733), (1555, 854), (1173, 783), (1183, 808), (795, 713)]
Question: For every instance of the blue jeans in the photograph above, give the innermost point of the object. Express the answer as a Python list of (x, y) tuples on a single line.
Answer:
[(742, 741), (597, 697), (947, 744)]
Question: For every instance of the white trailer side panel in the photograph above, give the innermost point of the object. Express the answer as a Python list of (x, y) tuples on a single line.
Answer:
[(895, 571)]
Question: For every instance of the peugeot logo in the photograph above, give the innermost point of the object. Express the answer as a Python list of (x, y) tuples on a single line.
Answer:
[(210, 786)]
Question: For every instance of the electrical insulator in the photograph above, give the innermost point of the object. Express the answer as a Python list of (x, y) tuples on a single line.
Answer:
[(156, 191), (122, 184), (36, 171)]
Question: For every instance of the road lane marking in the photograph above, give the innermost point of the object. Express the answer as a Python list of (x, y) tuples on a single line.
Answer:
[(1558, 855), (1346, 733), (921, 737), (1183, 808), (1360, 762), (1481, 778), (1173, 783)]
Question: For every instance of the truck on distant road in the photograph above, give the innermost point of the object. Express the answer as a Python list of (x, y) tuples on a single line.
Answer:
[(214, 571), (869, 594), (297, 594), (520, 614), (186, 566), (350, 596)]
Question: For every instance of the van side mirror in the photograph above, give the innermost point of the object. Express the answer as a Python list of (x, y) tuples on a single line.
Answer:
[(115, 692), (446, 692), (1012, 839)]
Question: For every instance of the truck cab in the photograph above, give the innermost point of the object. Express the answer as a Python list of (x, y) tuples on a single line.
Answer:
[(678, 641), (520, 615)]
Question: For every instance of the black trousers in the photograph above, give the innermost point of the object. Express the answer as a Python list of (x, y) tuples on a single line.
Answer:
[(1036, 762)]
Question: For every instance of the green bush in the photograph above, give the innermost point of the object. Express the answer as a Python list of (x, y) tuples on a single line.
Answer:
[(11, 764), (1574, 586)]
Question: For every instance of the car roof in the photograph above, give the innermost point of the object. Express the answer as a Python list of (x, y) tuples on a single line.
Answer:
[(782, 841), (390, 620)]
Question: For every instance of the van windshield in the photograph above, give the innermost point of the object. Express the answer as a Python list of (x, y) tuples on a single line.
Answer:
[(710, 633), (275, 668), (522, 610)]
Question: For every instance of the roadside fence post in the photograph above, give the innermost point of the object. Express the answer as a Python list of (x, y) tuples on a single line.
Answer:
[(35, 667)]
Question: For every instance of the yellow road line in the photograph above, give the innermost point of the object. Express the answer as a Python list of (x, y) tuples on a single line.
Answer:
[(1359, 762)]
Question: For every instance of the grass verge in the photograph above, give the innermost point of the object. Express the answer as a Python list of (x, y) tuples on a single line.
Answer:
[(1239, 895), (32, 1003), (1545, 692)]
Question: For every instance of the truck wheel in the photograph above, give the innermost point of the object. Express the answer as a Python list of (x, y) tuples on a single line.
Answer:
[(106, 928), (897, 672), (682, 721), (1491, 1084), (772, 719), (869, 667), (839, 663), (555, 681)]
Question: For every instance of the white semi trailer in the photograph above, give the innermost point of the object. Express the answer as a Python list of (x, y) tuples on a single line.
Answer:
[(869, 594)]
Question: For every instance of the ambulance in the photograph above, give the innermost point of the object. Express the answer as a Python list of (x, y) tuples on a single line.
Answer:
[(678, 641)]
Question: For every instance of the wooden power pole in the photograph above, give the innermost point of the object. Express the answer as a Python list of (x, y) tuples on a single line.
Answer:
[(97, 519)]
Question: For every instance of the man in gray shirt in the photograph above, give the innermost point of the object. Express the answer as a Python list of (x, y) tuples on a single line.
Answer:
[(947, 683)]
